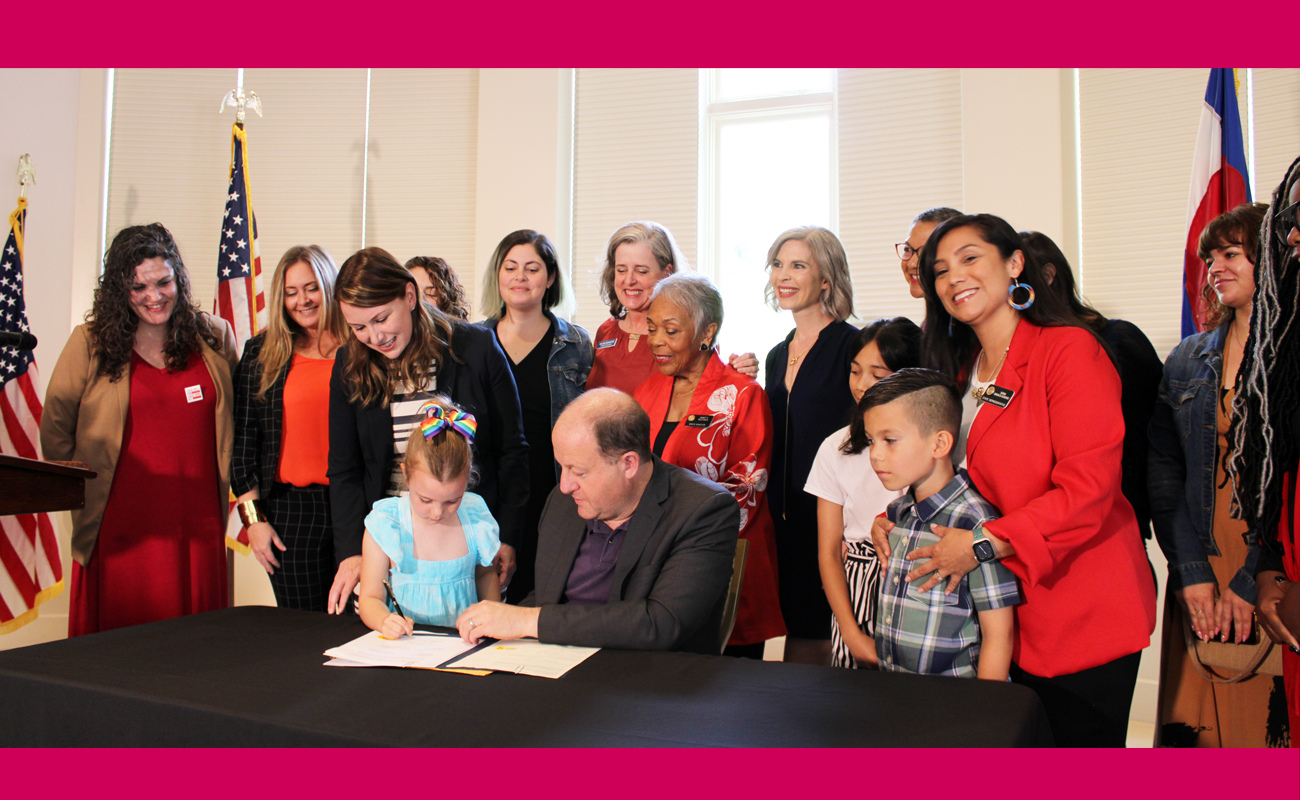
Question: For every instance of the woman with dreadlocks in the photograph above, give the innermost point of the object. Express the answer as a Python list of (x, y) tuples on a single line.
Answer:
[(1211, 556), (1265, 434)]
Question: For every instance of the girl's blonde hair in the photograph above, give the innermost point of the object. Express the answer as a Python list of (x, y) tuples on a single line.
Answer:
[(445, 453), (281, 330)]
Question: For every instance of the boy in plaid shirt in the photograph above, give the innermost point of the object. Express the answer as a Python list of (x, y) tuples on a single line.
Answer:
[(911, 420)]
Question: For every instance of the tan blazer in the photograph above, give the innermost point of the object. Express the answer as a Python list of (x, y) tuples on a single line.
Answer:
[(85, 415)]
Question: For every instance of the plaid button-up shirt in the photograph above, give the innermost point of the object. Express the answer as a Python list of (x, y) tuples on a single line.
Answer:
[(932, 633)]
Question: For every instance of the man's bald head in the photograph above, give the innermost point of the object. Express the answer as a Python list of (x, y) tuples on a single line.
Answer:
[(617, 422)]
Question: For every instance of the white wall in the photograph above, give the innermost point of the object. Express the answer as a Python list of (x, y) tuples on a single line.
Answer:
[(57, 117)]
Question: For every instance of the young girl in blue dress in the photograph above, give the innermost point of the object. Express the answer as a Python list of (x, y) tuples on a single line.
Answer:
[(434, 545)]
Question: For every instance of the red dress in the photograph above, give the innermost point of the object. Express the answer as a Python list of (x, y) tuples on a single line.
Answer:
[(160, 551), (616, 367), (726, 436)]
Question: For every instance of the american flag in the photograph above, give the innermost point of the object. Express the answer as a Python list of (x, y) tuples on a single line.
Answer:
[(239, 267), (30, 569)]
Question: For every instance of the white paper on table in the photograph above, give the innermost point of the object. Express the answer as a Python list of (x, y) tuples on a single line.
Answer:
[(527, 657), (423, 650)]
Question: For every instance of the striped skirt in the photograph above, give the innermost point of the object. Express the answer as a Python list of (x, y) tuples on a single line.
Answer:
[(863, 572)]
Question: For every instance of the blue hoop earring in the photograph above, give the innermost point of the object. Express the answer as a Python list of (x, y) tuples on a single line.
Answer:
[(1011, 295)]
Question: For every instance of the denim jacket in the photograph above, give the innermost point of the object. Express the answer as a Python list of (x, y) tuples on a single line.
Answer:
[(1181, 465), (567, 366)]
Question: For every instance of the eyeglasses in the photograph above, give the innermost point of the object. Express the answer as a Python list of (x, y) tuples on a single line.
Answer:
[(1286, 219), (905, 251)]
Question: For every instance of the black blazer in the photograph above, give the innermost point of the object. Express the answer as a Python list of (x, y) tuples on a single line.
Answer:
[(361, 439), (670, 582), (257, 424)]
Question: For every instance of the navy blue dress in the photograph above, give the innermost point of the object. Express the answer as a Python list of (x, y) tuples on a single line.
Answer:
[(818, 406)]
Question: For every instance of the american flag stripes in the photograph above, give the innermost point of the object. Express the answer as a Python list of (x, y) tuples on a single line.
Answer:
[(240, 300), (30, 569)]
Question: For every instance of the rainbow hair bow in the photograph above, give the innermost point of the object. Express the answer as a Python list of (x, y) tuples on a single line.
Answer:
[(436, 421)]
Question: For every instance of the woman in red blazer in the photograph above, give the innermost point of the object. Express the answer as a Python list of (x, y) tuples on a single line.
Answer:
[(1045, 440)]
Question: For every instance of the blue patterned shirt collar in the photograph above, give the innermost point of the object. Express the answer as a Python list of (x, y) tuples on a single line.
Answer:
[(927, 508)]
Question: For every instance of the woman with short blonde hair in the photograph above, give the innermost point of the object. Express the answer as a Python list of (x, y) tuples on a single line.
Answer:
[(810, 400)]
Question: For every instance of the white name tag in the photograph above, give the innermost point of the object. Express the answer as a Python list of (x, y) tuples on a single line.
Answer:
[(193, 394)]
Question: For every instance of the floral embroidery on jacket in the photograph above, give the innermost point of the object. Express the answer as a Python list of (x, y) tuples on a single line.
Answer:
[(745, 480)]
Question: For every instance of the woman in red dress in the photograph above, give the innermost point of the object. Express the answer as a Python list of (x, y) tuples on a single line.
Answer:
[(142, 393), (717, 423)]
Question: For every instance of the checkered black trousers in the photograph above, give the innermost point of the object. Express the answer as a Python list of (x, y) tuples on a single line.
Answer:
[(301, 517)]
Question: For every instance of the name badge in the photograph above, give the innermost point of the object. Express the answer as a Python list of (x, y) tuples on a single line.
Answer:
[(997, 396), (606, 343), (698, 421), (193, 394)]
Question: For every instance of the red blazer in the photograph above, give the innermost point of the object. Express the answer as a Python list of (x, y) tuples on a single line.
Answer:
[(735, 450), (1050, 461)]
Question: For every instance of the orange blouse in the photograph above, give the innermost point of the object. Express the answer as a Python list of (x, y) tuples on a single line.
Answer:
[(305, 426)]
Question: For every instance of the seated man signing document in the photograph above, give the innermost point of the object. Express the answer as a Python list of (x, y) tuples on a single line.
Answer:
[(632, 553)]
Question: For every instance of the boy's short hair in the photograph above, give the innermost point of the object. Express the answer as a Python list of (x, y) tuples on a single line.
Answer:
[(933, 401)]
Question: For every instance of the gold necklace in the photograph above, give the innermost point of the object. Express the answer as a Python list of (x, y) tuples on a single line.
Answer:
[(795, 358), (979, 392)]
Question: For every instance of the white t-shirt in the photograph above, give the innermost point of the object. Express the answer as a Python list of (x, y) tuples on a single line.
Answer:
[(848, 481)]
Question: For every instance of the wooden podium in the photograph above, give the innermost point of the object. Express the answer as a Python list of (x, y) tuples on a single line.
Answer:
[(34, 487)]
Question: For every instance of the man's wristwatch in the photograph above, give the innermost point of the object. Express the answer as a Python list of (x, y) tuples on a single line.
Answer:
[(983, 548)]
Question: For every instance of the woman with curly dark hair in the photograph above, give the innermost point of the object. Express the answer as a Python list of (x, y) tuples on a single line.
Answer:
[(142, 393), (439, 285)]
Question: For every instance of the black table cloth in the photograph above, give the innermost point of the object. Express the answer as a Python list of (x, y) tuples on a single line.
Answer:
[(253, 676)]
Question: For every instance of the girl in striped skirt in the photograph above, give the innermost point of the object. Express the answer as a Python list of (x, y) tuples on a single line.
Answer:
[(850, 496)]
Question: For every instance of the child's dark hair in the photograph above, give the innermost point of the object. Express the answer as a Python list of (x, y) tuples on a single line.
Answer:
[(933, 402), (445, 452), (897, 339)]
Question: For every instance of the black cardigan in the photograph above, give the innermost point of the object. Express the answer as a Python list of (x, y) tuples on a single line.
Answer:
[(361, 439)]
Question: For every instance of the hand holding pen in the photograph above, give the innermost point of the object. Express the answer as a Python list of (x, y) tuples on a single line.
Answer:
[(396, 625)]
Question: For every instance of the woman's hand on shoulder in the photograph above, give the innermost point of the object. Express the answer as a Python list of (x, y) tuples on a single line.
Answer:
[(745, 363), (950, 558), (880, 528)]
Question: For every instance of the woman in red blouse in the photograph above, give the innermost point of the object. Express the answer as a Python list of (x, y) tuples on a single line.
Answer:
[(639, 255), (1045, 440), (715, 422)]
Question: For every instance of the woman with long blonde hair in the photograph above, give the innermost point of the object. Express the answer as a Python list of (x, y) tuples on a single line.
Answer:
[(282, 430)]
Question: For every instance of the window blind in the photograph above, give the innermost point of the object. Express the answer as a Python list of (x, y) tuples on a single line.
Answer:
[(900, 152), (636, 154)]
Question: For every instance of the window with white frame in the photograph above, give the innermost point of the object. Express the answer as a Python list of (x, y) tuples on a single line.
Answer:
[(768, 163)]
